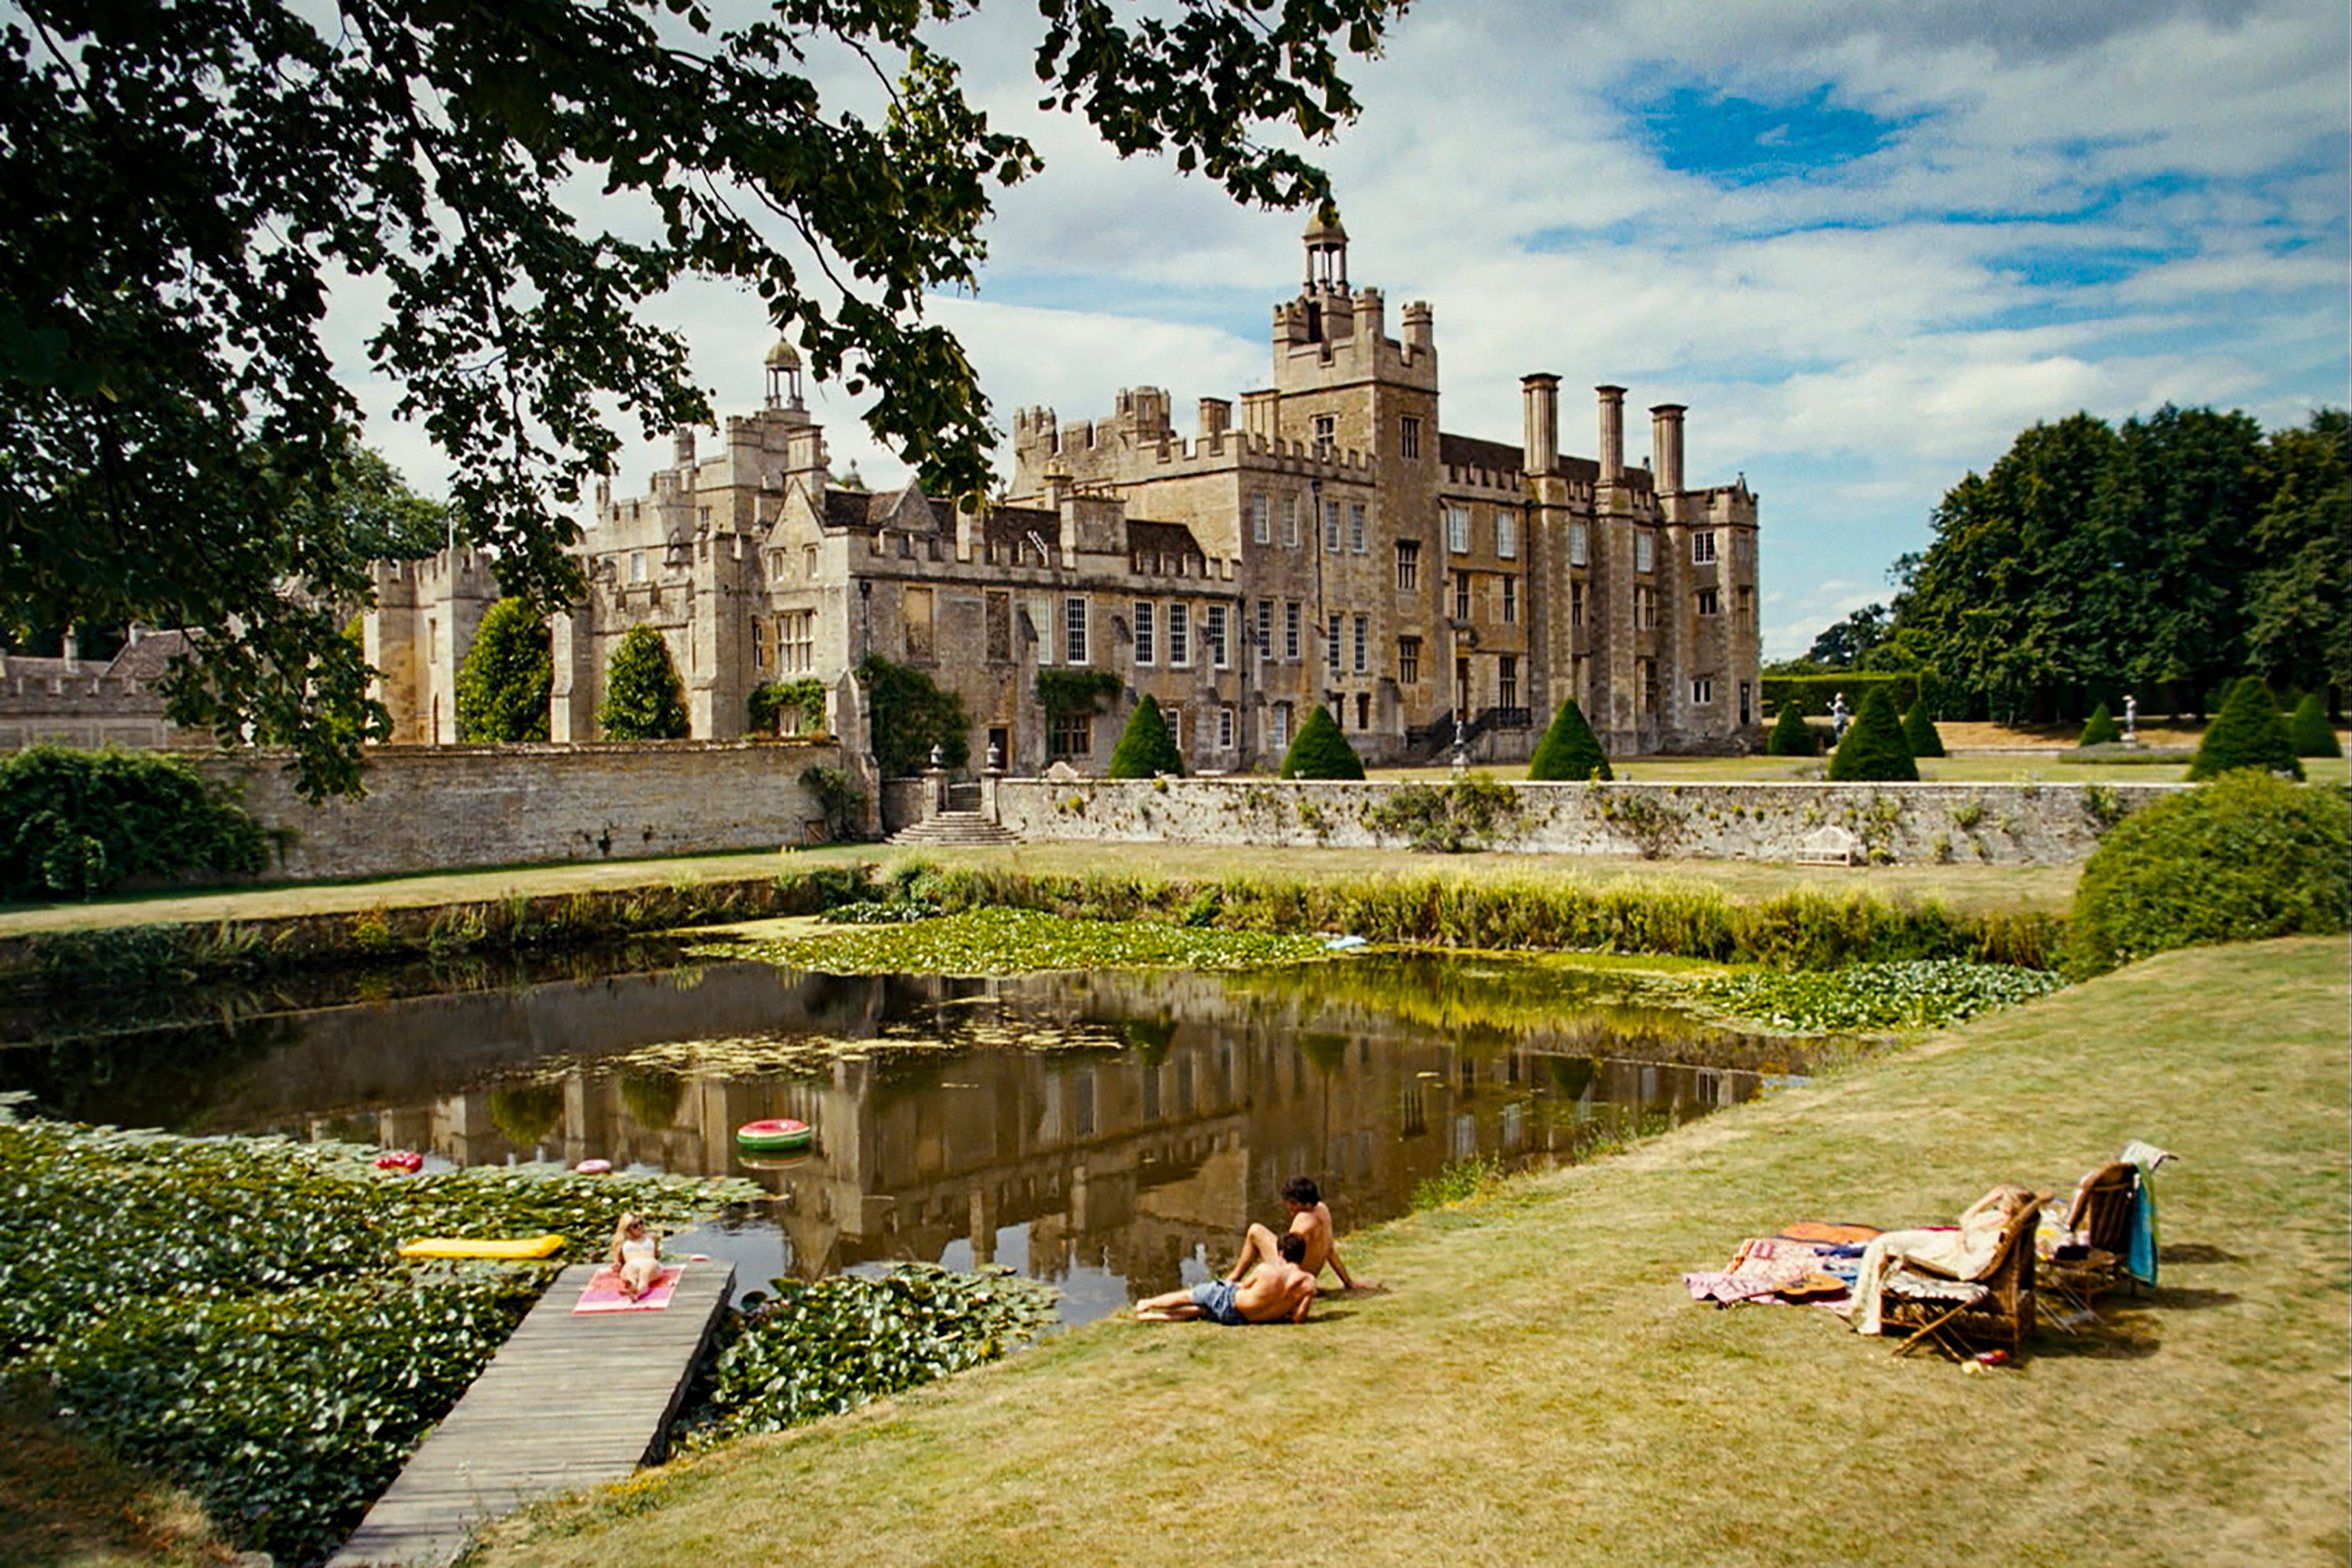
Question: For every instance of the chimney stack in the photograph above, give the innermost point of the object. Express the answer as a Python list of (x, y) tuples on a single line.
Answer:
[(1216, 416), (682, 446), (1613, 434), (1666, 448), (1539, 400)]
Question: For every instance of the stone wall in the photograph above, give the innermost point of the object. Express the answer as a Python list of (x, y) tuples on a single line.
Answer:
[(435, 808), (1997, 824)]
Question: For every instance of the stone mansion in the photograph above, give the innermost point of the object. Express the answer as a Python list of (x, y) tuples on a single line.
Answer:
[(1324, 541)]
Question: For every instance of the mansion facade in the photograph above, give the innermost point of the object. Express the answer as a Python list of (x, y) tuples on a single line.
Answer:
[(1326, 542)]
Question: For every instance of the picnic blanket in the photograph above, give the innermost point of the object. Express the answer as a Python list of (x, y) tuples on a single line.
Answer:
[(603, 1293), (1811, 1261)]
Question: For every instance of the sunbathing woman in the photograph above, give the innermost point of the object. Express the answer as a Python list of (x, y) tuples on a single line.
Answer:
[(1964, 1253), (636, 1255)]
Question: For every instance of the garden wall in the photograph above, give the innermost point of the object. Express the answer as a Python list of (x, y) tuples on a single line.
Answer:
[(436, 808), (1996, 824)]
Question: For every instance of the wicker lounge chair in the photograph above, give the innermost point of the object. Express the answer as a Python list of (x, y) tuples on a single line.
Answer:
[(1995, 1308)]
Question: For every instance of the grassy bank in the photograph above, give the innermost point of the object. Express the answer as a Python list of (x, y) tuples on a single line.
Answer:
[(1536, 1386), (1693, 907)]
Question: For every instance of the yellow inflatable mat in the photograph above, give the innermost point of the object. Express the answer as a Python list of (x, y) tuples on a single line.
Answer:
[(481, 1247)]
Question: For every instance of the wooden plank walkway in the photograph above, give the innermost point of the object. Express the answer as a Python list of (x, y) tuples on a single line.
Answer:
[(567, 1403)]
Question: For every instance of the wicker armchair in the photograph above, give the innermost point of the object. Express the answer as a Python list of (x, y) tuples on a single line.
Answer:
[(1994, 1309)]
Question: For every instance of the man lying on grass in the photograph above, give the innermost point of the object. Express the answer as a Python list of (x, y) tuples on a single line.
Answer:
[(1277, 1291), (1310, 1222)]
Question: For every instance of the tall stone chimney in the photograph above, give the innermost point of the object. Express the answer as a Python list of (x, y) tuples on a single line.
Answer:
[(1666, 448), (1216, 416), (682, 446), (1539, 400), (1613, 434)]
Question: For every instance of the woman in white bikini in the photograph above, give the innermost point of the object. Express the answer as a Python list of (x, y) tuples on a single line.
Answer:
[(636, 1255)]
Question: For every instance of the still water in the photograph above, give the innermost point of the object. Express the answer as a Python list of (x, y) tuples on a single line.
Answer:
[(1111, 1133)]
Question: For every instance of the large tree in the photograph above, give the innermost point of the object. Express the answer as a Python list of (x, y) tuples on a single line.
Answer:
[(183, 186)]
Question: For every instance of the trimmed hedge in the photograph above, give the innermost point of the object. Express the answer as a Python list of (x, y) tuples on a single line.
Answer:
[(1145, 748), (1569, 749), (504, 683), (1919, 732), (2101, 728), (2250, 856), (1791, 735), (1873, 749), (1320, 751), (2309, 732), (2248, 731), (644, 699)]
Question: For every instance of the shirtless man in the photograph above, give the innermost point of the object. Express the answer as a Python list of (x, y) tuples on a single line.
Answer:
[(1310, 1222), (1279, 1291)]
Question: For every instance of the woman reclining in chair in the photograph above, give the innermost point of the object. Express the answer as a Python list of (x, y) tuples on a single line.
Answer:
[(1964, 1253)]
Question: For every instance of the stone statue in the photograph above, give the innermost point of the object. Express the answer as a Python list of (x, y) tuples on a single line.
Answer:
[(1839, 717), (2131, 720)]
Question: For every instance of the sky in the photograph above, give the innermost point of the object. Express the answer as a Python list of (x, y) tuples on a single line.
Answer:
[(1866, 244)]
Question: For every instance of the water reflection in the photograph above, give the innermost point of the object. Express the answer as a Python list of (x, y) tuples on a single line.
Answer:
[(1109, 1132)]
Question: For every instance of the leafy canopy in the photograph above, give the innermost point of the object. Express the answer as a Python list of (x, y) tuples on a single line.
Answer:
[(644, 699), (507, 676), (182, 186)]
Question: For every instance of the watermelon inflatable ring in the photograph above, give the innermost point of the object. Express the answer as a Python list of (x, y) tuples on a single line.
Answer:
[(401, 1160), (776, 1132)]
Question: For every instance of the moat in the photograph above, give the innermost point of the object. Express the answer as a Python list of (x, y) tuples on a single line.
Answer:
[(1109, 1132)]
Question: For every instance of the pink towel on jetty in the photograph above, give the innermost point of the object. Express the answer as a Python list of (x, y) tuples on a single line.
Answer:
[(603, 1293)]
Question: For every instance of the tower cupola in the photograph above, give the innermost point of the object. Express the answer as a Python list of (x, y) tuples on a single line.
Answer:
[(1326, 252), (784, 376)]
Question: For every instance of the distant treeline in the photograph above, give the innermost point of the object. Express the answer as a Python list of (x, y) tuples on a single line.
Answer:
[(2165, 557)]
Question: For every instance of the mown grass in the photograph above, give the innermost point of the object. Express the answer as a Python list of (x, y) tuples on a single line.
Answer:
[(1535, 1386)]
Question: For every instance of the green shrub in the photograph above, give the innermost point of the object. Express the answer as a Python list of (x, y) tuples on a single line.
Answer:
[(1873, 749), (1791, 735), (2310, 733), (838, 797), (1320, 751), (1919, 732), (503, 686), (77, 823), (1569, 749), (2247, 733), (2248, 856), (2101, 728), (803, 698), (1145, 748), (644, 699), (910, 713)]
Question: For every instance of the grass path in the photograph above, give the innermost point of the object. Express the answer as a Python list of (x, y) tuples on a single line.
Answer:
[(1537, 1387)]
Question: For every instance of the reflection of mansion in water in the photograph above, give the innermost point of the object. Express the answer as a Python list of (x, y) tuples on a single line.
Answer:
[(1130, 1157)]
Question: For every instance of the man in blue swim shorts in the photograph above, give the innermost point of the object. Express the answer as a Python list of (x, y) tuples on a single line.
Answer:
[(1277, 1291)]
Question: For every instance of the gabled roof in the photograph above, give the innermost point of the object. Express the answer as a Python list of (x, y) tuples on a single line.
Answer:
[(1006, 527), (145, 659)]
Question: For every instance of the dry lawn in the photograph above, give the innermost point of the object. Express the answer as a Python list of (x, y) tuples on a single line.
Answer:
[(1536, 1387), (64, 1505)]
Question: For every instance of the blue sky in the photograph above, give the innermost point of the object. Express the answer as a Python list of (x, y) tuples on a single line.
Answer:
[(1865, 244)]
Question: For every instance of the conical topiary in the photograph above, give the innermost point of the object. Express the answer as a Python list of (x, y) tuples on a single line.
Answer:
[(1320, 751), (1145, 748), (2310, 733), (2100, 728), (644, 699), (502, 687), (2247, 733), (1873, 749), (1919, 732), (1791, 735), (1569, 749)]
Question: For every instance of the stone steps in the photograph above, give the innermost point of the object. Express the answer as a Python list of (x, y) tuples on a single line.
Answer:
[(955, 828)]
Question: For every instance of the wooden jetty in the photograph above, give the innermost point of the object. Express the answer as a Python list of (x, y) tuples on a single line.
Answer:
[(569, 1402)]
